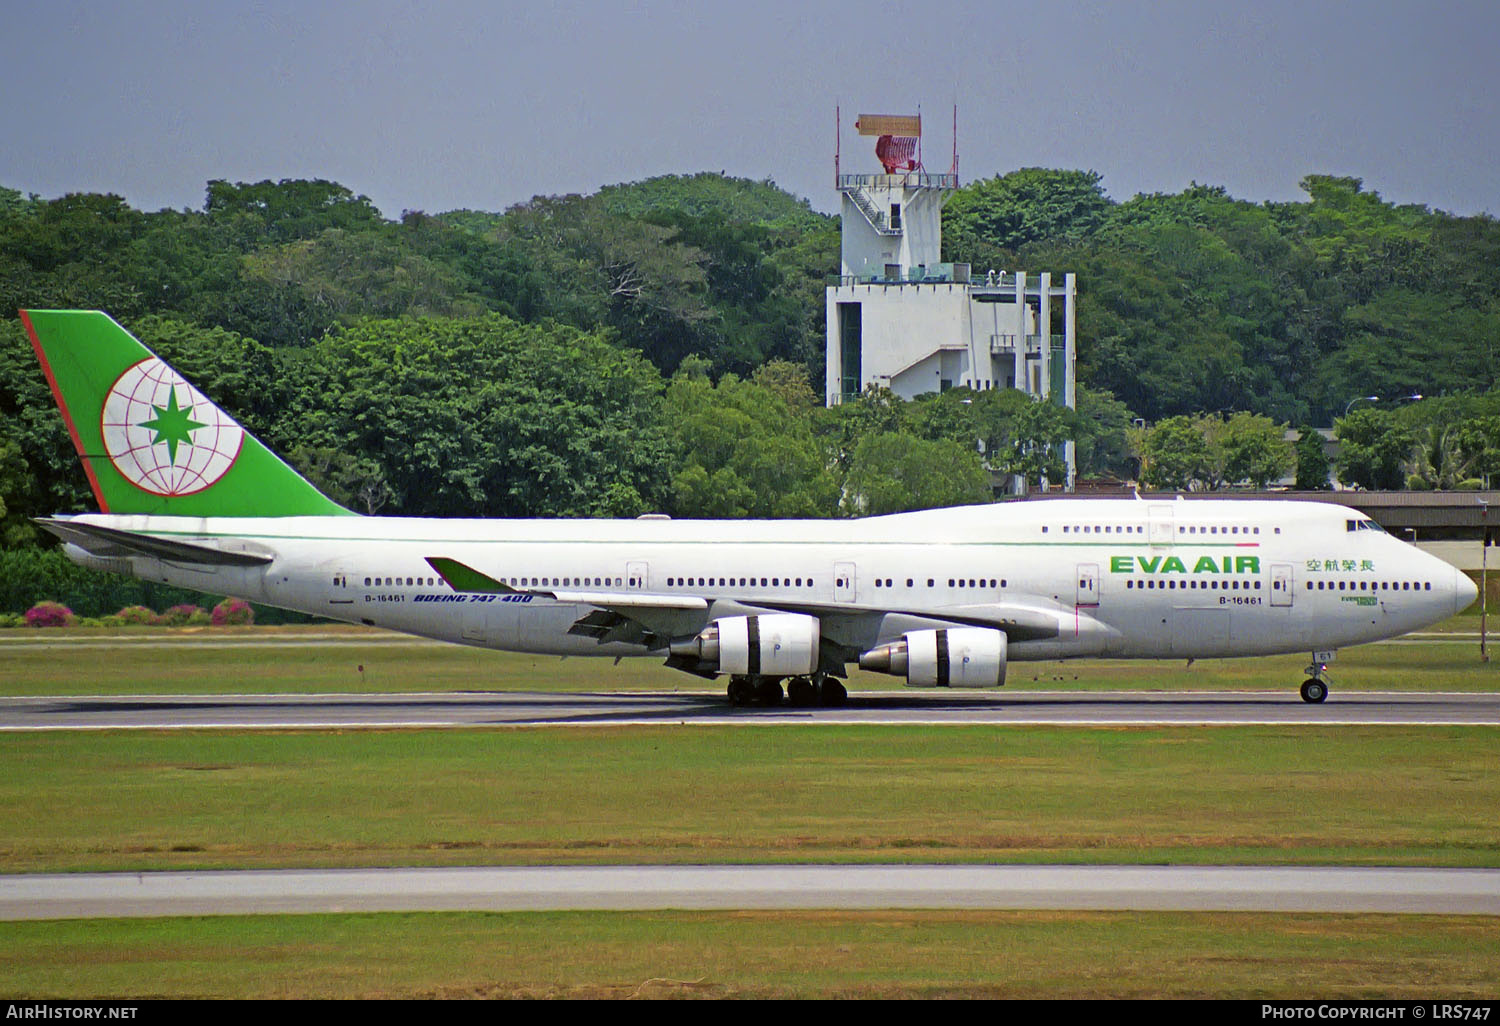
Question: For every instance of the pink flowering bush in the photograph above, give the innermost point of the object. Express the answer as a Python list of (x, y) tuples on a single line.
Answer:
[(134, 615), (233, 612), (50, 614), (181, 616)]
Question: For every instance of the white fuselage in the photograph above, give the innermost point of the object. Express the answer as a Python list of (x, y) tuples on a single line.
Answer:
[(1067, 578)]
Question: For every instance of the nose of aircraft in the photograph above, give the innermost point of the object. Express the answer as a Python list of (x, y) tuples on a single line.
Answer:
[(1465, 591)]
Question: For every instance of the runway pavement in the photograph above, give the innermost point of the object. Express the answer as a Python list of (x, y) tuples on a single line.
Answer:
[(1142, 888), (489, 709)]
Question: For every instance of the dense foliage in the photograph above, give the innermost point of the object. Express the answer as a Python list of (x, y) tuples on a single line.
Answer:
[(658, 346), (1200, 302)]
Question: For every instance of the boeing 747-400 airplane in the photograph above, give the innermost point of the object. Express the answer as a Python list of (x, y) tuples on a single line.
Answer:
[(941, 597)]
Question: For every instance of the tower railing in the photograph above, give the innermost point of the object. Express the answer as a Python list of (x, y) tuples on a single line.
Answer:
[(909, 180)]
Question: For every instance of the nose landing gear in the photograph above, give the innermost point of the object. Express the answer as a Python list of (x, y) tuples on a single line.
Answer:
[(1315, 687)]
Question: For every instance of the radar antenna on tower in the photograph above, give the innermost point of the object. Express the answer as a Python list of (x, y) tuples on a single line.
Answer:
[(901, 317), (898, 147)]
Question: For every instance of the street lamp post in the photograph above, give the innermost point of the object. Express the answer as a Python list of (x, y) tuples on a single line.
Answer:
[(1484, 581), (1360, 399)]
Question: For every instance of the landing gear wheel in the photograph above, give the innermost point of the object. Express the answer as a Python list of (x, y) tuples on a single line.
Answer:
[(801, 692), (832, 693), (1314, 690), (768, 692), (741, 691)]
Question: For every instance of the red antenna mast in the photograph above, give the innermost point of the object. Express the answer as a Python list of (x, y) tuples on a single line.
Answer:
[(954, 171)]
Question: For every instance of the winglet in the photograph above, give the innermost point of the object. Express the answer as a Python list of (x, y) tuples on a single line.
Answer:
[(461, 577)]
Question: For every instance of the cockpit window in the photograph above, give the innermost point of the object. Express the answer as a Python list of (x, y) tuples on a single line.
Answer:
[(1363, 525)]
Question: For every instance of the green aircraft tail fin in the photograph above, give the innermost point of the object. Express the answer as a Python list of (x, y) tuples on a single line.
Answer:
[(150, 442)]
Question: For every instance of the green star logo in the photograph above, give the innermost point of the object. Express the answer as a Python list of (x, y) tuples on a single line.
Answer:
[(173, 425)]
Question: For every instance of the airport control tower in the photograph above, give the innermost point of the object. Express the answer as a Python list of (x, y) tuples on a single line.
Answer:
[(900, 318)]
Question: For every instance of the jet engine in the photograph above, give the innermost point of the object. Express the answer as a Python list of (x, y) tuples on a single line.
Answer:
[(769, 645), (958, 657)]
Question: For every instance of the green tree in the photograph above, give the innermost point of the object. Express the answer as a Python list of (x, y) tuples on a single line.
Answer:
[(14, 530), (1478, 442), (742, 451), (286, 211), (992, 216), (1312, 462), (1175, 455), (485, 416), (789, 383), (1033, 447), (1253, 450), (1373, 448), (1103, 445), (840, 428), (605, 268), (352, 481), (895, 472)]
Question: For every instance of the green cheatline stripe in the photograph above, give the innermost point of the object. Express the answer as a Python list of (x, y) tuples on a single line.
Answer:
[(683, 541)]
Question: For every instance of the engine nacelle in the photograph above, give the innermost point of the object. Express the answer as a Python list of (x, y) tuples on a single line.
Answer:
[(769, 645), (958, 657)]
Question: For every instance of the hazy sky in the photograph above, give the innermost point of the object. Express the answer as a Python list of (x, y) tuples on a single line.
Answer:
[(440, 105)]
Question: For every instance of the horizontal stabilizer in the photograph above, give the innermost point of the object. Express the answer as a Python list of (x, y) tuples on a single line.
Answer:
[(112, 542)]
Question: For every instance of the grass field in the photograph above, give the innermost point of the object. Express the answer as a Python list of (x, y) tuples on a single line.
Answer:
[(145, 800), (345, 660), (758, 954), (136, 800)]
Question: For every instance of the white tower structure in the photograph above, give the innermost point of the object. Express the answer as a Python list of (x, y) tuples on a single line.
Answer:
[(900, 318)]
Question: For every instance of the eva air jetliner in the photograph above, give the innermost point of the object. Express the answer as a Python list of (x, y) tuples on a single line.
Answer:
[(941, 597)]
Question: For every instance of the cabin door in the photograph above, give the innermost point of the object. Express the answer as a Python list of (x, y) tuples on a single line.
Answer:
[(339, 592), (1281, 584), (843, 582), (1159, 519), (1088, 584)]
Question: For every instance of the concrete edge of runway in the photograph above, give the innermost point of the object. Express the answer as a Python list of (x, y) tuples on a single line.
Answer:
[(1312, 889)]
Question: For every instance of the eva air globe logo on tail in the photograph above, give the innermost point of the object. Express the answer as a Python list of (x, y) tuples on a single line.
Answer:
[(162, 435)]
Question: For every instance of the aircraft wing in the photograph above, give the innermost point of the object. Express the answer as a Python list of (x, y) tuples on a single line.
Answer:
[(653, 620), (113, 542), (1021, 622), (634, 617)]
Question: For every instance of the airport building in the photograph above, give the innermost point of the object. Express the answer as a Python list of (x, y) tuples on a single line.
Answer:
[(900, 318)]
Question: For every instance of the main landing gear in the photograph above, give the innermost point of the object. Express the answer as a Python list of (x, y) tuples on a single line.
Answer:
[(803, 692), (1315, 687)]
